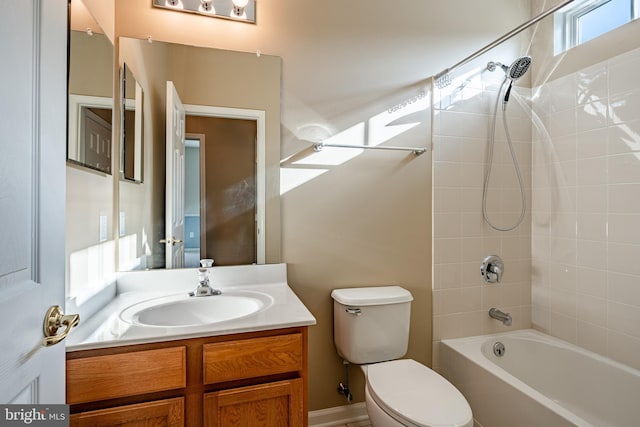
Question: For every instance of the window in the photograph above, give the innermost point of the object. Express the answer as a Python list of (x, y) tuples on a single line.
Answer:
[(584, 20)]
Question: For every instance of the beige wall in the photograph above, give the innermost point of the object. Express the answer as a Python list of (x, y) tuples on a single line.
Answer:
[(91, 65), (102, 12), (365, 222)]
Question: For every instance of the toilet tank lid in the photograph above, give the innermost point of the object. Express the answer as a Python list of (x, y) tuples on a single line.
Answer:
[(376, 295)]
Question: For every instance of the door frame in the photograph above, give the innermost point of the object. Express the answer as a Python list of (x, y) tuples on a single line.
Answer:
[(259, 116)]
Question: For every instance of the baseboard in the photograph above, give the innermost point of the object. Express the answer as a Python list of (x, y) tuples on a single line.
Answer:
[(338, 415)]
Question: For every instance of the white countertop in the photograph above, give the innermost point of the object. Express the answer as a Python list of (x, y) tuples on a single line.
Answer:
[(107, 329)]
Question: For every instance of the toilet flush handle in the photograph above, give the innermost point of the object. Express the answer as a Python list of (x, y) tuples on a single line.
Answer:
[(354, 310)]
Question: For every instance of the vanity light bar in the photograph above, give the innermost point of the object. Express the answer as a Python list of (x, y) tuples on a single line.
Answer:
[(236, 10)]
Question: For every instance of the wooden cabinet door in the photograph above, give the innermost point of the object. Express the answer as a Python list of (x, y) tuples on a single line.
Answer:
[(278, 404), (169, 413)]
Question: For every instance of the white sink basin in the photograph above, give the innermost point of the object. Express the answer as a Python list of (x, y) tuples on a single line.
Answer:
[(182, 310)]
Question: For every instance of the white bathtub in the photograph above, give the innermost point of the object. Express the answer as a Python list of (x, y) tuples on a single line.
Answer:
[(540, 381)]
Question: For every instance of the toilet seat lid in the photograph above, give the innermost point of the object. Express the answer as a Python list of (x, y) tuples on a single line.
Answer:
[(412, 391)]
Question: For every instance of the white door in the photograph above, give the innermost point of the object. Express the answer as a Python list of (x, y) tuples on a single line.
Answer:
[(32, 196), (174, 219)]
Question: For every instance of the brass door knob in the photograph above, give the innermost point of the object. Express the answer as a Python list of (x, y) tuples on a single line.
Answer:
[(54, 320)]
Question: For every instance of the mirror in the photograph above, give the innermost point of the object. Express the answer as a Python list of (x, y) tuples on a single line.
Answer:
[(115, 223), (131, 148), (219, 89), (89, 245), (90, 100)]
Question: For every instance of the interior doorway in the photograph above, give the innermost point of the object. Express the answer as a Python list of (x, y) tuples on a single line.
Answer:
[(221, 190)]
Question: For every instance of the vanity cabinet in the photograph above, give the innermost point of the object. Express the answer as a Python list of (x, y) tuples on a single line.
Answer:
[(257, 378)]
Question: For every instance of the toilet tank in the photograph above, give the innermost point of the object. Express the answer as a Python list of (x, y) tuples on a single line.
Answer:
[(371, 324)]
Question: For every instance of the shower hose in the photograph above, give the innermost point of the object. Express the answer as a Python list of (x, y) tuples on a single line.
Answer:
[(492, 138)]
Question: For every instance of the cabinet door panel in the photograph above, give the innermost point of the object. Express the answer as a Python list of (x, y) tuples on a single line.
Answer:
[(278, 404), (169, 413)]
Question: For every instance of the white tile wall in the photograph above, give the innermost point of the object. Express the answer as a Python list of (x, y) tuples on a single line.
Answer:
[(586, 208), (461, 299), (572, 270)]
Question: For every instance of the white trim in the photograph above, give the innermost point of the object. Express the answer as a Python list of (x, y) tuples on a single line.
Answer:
[(260, 117), (338, 415)]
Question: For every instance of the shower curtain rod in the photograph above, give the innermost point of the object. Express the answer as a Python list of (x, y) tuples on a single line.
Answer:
[(442, 79), (417, 151)]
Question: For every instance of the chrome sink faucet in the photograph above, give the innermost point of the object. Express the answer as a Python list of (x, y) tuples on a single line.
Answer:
[(505, 318), (204, 289)]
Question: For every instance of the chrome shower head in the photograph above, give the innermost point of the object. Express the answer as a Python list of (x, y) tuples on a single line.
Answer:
[(518, 68), (514, 71)]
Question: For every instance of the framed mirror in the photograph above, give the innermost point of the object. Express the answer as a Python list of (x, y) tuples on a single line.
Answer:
[(131, 157)]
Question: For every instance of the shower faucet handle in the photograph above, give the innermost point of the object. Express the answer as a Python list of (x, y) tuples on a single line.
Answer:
[(491, 269)]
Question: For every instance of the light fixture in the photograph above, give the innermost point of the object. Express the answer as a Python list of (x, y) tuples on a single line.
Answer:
[(237, 10)]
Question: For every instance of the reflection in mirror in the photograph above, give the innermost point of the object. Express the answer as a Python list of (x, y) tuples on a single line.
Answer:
[(230, 187), (90, 100), (132, 105), (89, 243), (246, 88), (90, 123)]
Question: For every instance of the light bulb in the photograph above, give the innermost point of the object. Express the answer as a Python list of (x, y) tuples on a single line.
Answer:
[(174, 3), (206, 6), (238, 9)]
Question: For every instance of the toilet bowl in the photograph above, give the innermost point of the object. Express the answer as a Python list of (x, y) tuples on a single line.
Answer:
[(371, 329), (406, 393)]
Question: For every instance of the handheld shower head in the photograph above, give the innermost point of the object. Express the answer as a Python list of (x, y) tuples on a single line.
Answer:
[(518, 68), (513, 72)]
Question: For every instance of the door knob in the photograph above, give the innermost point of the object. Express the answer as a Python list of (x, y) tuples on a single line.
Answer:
[(54, 320), (172, 241)]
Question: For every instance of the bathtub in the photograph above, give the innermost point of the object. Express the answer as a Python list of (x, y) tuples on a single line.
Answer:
[(540, 381)]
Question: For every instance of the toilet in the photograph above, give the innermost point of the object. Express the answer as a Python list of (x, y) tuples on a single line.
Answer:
[(371, 329)]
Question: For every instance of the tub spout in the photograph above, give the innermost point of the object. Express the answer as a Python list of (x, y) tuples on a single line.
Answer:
[(505, 318)]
